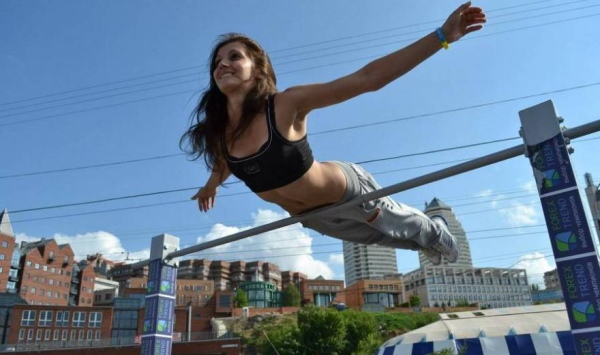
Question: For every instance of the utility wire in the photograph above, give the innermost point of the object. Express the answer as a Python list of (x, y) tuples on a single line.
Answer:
[(273, 51), (294, 71), (186, 189)]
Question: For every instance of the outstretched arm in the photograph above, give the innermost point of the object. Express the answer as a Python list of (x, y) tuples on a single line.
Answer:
[(382, 71), (207, 194)]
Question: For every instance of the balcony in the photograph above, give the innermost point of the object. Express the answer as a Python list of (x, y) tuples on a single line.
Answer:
[(75, 280), (13, 278), (74, 290)]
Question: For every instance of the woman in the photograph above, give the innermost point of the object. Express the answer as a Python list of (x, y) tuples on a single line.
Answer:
[(246, 128)]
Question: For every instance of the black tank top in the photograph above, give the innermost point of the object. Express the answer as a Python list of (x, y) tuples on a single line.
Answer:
[(279, 161)]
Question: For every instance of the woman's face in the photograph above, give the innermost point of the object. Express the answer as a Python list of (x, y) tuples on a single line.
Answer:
[(234, 68)]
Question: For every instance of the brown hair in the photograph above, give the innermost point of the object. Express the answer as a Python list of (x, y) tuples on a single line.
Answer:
[(206, 135)]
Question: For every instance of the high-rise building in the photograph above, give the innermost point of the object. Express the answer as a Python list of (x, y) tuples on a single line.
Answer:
[(368, 262), (593, 195), (439, 208)]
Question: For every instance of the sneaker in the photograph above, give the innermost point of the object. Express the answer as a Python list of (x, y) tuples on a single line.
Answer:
[(433, 255), (447, 245)]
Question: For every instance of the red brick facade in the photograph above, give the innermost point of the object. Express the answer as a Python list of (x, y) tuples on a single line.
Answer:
[(320, 291), (357, 292), (46, 269), (7, 245), (32, 323), (194, 292)]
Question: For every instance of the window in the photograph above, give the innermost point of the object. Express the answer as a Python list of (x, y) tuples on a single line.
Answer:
[(56, 334), (28, 319), (21, 334), (4, 244), (45, 268), (95, 320), (53, 270), (89, 335), (81, 335), (37, 266), (62, 318), (32, 290), (97, 335), (51, 255), (2, 256), (38, 335), (45, 318), (78, 319), (73, 333), (47, 334), (30, 334), (50, 282), (66, 260)]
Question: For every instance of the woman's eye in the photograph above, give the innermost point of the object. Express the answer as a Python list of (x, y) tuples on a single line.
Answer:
[(235, 56)]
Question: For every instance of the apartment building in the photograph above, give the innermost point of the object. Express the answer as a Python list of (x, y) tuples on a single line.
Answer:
[(46, 272)]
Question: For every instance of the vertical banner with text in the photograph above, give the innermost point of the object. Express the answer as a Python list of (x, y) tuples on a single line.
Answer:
[(568, 228), (157, 336)]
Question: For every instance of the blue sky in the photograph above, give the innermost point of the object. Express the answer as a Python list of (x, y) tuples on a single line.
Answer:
[(91, 83)]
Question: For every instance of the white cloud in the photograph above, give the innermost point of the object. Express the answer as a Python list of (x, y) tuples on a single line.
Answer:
[(289, 247), (336, 259), (485, 193), (520, 215), (535, 264), (101, 242)]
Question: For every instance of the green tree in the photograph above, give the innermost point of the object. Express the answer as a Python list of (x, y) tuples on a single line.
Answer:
[(291, 297), (535, 288), (359, 325), (323, 331), (415, 301), (462, 303), (283, 339), (241, 299)]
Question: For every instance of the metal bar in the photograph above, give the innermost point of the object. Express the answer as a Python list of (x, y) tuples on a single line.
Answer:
[(486, 160)]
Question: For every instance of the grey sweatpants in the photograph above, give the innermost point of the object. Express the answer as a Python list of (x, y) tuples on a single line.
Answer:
[(383, 221)]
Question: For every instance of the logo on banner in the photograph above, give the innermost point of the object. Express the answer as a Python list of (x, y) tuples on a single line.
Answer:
[(551, 178), (166, 286), (583, 312), (566, 241)]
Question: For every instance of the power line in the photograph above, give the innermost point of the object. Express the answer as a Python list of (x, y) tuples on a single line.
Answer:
[(195, 67), (186, 189), (293, 71)]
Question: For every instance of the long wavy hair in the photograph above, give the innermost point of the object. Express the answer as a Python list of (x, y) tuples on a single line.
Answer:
[(207, 134)]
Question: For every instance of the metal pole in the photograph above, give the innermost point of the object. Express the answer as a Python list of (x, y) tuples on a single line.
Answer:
[(386, 191)]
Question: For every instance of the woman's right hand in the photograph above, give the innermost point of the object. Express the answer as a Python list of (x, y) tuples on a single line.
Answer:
[(206, 198)]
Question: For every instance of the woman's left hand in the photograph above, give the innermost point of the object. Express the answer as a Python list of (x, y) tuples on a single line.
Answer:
[(465, 19)]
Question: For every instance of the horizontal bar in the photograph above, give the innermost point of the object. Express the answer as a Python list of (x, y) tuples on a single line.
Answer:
[(392, 189)]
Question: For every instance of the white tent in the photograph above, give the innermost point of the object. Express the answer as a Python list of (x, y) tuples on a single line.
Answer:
[(532, 330)]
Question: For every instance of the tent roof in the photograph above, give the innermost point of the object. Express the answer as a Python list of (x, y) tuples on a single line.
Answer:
[(490, 323)]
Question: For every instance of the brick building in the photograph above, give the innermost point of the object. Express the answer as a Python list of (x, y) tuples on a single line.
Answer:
[(291, 278), (101, 265), (82, 284), (126, 276), (194, 292), (8, 268), (46, 268), (322, 292), (375, 295), (64, 324)]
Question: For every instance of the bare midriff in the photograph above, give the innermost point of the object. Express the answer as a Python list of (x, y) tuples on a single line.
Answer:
[(323, 184)]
